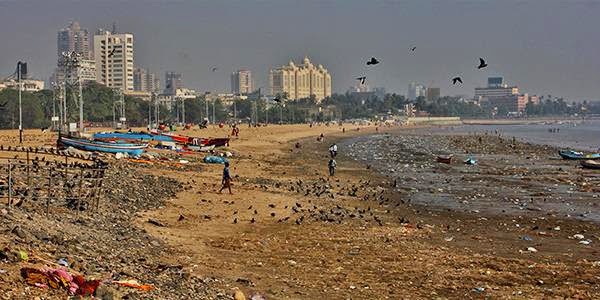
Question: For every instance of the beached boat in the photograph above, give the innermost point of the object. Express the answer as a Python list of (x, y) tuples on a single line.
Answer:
[(89, 145), (570, 154), (446, 159), (130, 136), (590, 164), (182, 139), (199, 148), (217, 142)]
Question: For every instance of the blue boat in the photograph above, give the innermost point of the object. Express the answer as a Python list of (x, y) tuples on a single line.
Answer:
[(89, 145), (572, 155), (131, 136)]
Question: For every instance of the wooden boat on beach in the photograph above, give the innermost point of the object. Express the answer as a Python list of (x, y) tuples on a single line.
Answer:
[(446, 159), (575, 155), (199, 148), (96, 146), (129, 137), (590, 164)]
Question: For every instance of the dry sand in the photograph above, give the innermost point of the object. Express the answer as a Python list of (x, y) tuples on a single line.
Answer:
[(349, 236)]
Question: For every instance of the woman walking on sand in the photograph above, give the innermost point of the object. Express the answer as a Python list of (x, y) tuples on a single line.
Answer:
[(226, 181)]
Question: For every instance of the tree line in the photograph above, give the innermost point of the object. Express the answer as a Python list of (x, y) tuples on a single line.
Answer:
[(99, 102)]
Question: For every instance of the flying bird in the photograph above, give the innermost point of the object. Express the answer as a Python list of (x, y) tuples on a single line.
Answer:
[(373, 61), (213, 69), (361, 79), (413, 48), (112, 52), (482, 64), (456, 79)]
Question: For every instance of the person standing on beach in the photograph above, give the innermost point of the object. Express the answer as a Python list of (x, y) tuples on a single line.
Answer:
[(333, 150), (332, 164), (226, 181)]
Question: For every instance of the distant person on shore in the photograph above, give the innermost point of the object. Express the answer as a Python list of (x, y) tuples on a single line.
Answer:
[(333, 150), (226, 181), (332, 164)]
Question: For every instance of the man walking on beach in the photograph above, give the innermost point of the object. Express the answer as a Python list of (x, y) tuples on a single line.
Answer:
[(332, 164), (333, 150), (226, 181)]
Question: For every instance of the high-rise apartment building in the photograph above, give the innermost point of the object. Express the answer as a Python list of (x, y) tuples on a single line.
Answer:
[(73, 38), (415, 91), (241, 82), (173, 82), (145, 81), (301, 81), (114, 59)]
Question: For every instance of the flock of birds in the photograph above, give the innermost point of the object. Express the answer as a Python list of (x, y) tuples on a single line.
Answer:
[(374, 61)]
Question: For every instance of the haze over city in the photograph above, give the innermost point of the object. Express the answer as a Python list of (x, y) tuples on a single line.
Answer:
[(546, 47)]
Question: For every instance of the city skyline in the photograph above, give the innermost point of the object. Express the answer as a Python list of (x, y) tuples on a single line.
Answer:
[(555, 58)]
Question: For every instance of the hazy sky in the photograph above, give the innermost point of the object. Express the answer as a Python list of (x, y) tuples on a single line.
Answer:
[(543, 46)]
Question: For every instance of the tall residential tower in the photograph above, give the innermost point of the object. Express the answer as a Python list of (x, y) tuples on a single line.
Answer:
[(241, 82), (114, 59)]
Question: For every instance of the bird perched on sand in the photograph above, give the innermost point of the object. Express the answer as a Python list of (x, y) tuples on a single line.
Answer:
[(361, 79), (456, 79), (372, 61), (482, 63)]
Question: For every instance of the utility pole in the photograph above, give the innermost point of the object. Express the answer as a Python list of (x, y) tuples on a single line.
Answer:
[(183, 111), (80, 98), (213, 115), (206, 106), (19, 75)]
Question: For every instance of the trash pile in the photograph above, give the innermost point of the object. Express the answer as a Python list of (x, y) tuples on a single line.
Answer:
[(102, 253)]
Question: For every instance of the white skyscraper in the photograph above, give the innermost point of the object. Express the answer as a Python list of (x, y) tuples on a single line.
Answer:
[(113, 54)]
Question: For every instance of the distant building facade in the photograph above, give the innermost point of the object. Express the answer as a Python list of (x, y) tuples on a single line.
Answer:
[(241, 82), (433, 94), (73, 38), (173, 82), (29, 85), (301, 81), (498, 94), (145, 81), (415, 91), (114, 56)]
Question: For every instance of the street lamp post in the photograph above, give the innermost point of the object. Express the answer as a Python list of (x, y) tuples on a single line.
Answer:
[(19, 75)]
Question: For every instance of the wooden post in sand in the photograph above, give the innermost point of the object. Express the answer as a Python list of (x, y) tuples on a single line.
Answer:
[(48, 195), (28, 174), (79, 194), (9, 184)]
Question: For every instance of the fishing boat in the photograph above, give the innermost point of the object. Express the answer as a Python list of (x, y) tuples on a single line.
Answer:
[(199, 148), (90, 145), (446, 159), (129, 137), (590, 164), (572, 155), (182, 139), (217, 142)]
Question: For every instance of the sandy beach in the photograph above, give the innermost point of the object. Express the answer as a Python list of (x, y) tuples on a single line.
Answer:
[(290, 231)]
